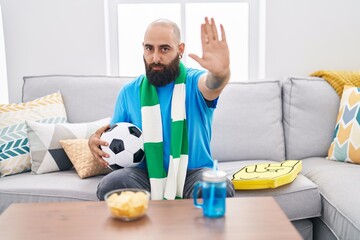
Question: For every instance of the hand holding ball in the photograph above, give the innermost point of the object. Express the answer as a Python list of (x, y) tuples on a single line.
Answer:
[(126, 145)]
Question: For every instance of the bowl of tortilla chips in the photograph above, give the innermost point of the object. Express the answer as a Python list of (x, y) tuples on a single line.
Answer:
[(128, 204)]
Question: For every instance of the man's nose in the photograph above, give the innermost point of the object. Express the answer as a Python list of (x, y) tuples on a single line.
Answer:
[(156, 57)]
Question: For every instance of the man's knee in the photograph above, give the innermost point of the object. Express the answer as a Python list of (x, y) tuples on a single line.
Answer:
[(230, 191), (123, 178), (110, 182)]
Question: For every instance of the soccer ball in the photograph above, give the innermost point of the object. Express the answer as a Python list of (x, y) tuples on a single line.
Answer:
[(126, 145)]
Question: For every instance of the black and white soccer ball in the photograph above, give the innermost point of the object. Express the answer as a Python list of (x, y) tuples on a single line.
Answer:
[(126, 145)]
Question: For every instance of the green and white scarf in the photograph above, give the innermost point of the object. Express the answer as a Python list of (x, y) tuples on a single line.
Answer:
[(165, 185)]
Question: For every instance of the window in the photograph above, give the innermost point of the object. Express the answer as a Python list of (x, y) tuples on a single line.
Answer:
[(131, 32), (235, 18), (3, 79), (127, 22)]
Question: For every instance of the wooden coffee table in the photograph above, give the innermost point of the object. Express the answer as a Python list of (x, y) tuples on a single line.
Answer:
[(246, 218)]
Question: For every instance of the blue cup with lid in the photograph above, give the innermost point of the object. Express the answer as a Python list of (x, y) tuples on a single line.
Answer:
[(213, 189)]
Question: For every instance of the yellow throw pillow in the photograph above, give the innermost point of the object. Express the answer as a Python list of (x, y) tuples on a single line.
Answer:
[(79, 154), (345, 146), (14, 147), (266, 175)]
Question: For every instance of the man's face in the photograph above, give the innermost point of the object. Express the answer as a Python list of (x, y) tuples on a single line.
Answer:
[(161, 55), (160, 75)]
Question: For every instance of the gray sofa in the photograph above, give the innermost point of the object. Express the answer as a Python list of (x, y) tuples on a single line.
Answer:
[(255, 122)]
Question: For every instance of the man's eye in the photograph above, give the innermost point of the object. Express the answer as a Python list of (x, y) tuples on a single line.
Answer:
[(166, 49), (147, 48)]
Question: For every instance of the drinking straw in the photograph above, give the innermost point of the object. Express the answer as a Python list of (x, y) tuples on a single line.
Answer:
[(212, 189), (215, 166)]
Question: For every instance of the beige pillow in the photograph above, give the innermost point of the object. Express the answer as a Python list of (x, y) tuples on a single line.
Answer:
[(79, 154)]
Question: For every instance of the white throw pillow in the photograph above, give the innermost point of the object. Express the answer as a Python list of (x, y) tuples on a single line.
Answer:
[(47, 154)]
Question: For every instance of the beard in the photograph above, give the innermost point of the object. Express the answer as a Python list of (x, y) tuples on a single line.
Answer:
[(165, 76)]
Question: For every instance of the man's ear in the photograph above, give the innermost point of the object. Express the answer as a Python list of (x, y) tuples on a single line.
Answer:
[(181, 49)]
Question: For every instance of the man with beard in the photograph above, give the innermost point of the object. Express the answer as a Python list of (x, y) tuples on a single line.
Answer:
[(173, 105)]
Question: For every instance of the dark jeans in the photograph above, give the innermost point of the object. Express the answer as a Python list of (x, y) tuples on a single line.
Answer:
[(138, 178)]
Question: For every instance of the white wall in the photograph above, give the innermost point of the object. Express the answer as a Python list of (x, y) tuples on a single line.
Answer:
[(4, 95), (67, 37), (52, 37), (303, 36)]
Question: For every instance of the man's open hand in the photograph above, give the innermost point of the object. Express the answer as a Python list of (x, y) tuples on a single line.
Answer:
[(215, 56)]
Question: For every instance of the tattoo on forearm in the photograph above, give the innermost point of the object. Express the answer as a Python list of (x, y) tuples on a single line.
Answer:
[(213, 82)]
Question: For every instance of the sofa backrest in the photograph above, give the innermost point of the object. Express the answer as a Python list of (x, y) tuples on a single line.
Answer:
[(248, 122), (310, 108), (84, 97), (253, 120)]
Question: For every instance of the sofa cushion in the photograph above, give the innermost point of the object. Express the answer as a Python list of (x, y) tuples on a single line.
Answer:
[(84, 91), (14, 147), (340, 191), (305, 228), (50, 187), (47, 155), (299, 199), (310, 109), (346, 142), (248, 122)]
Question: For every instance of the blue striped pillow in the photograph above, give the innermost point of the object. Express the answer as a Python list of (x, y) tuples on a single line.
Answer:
[(14, 147)]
